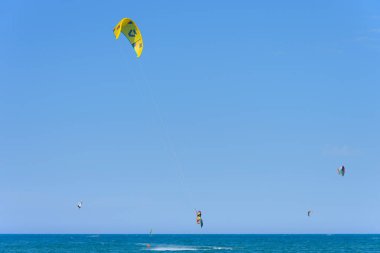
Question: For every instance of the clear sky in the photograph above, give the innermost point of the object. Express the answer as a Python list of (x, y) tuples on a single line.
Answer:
[(242, 109)]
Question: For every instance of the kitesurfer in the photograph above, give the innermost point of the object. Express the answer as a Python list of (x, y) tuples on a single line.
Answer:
[(341, 170), (199, 218)]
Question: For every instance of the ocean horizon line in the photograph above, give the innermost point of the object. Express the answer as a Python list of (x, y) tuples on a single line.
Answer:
[(329, 234)]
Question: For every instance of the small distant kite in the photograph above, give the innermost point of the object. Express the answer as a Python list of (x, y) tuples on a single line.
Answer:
[(309, 213), (341, 171), (199, 218), (79, 205), (129, 28)]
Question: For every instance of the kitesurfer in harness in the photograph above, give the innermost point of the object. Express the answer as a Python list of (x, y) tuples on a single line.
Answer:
[(199, 218), (341, 170)]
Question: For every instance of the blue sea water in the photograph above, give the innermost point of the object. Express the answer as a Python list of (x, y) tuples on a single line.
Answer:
[(192, 243)]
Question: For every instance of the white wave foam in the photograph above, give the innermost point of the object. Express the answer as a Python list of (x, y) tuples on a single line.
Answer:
[(221, 248), (185, 248), (174, 248)]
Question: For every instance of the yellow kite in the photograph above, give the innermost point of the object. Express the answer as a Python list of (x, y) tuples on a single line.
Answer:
[(132, 32)]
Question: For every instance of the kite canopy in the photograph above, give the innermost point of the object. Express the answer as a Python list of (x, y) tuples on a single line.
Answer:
[(132, 32)]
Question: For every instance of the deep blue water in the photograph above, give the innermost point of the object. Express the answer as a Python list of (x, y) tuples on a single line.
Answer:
[(192, 243)]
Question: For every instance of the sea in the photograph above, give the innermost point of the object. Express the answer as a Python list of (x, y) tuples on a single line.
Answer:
[(192, 243)]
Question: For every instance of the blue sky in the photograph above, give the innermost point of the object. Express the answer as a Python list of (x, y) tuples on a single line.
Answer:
[(242, 110)]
